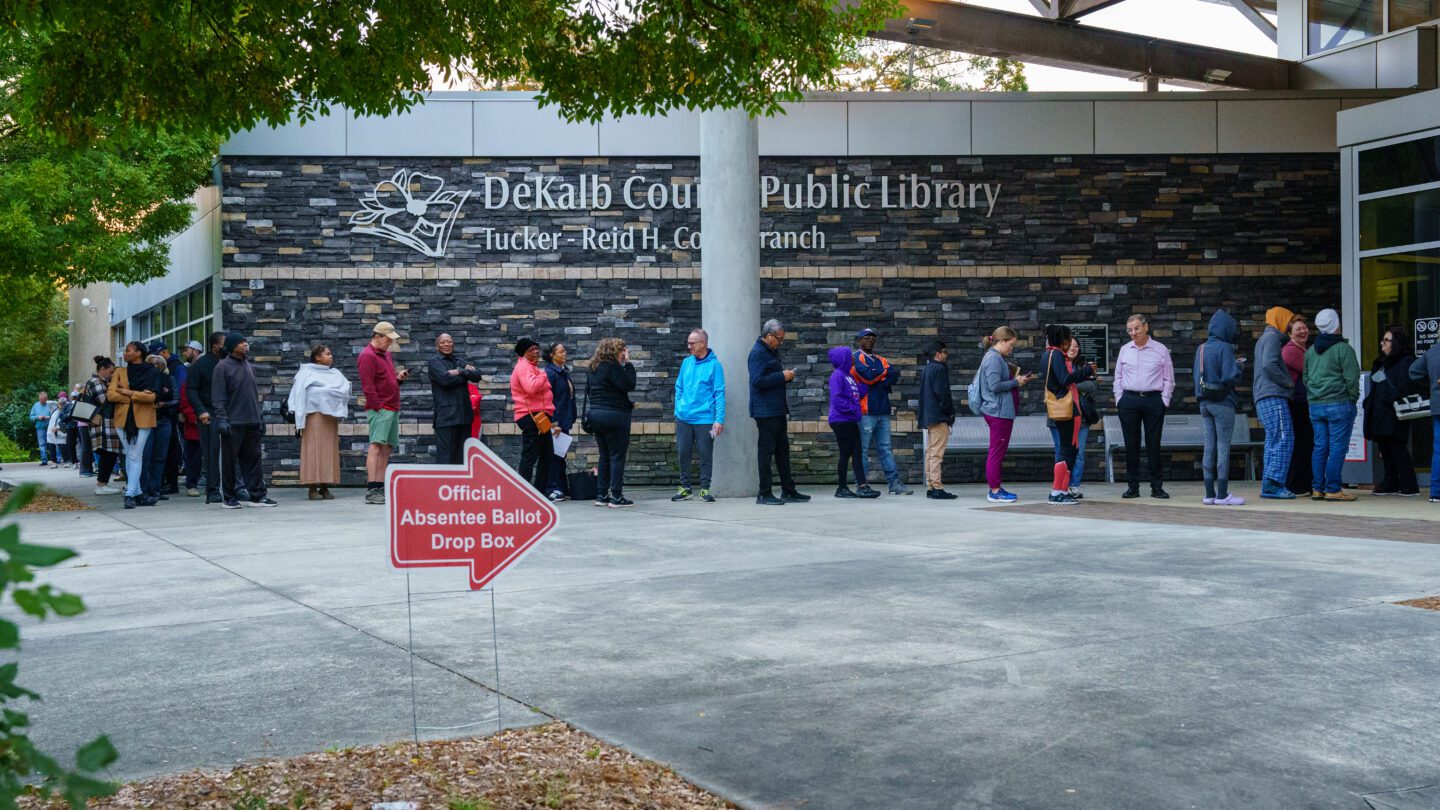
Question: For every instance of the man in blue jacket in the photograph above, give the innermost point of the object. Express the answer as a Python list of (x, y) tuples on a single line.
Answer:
[(40, 417), (768, 378), (875, 373), (699, 412)]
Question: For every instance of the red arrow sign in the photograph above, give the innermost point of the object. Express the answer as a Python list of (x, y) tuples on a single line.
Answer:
[(481, 515)]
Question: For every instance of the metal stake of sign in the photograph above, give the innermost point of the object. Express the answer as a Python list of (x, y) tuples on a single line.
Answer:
[(495, 645), (414, 710)]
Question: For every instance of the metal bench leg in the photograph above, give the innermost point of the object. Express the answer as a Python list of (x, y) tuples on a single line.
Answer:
[(1109, 466)]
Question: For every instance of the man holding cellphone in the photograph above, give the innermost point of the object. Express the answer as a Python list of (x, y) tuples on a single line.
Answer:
[(769, 409)]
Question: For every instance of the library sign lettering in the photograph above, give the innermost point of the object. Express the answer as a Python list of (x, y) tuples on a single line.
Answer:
[(416, 210)]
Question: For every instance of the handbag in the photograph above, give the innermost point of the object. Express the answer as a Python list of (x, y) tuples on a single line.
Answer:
[(1414, 406), (586, 423), (584, 485), (541, 420), (1059, 409), (83, 411), (1211, 392)]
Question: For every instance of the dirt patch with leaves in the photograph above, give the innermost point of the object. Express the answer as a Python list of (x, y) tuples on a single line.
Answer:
[(47, 501), (550, 766), (1426, 602)]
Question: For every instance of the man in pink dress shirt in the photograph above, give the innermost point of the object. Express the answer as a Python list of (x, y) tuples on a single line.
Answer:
[(1144, 382)]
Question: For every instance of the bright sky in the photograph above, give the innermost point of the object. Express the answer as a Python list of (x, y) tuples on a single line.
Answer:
[(1219, 26)]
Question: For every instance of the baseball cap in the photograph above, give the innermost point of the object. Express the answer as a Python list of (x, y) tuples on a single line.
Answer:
[(157, 346), (387, 329), (195, 344), (866, 332)]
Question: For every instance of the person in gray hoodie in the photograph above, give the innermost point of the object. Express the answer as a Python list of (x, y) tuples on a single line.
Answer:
[(1425, 373), (1272, 390), (239, 423), (1217, 372), (999, 402)]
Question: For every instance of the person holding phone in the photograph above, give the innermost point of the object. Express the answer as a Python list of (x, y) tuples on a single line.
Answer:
[(381, 384), (770, 410), (999, 403)]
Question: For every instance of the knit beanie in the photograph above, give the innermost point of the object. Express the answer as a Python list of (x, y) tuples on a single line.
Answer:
[(1328, 321), (524, 345), (233, 339)]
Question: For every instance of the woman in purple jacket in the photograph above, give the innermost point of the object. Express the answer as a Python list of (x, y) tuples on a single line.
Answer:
[(845, 395)]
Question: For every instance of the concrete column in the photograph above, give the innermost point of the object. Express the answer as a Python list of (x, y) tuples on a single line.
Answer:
[(730, 281)]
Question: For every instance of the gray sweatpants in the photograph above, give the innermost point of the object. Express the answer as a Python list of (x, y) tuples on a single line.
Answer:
[(687, 438), (1219, 421)]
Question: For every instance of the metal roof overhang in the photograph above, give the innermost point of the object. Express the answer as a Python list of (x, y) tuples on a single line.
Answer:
[(1067, 44)]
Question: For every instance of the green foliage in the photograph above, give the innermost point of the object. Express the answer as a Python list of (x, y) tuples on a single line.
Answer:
[(880, 65), (34, 343), (11, 452), (154, 65), (99, 211), (20, 760), (469, 804)]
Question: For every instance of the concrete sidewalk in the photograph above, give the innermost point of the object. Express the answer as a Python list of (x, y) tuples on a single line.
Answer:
[(900, 652)]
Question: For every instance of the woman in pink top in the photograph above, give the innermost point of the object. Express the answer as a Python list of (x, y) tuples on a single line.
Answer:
[(530, 389), (1293, 354)]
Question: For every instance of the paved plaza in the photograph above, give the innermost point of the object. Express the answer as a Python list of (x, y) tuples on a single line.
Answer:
[(896, 653)]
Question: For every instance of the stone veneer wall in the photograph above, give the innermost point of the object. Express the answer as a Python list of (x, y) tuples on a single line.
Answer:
[(1080, 240)]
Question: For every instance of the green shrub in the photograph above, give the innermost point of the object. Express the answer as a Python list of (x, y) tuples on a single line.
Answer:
[(11, 453)]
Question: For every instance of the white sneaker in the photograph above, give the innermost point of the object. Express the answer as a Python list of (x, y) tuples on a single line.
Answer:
[(106, 490)]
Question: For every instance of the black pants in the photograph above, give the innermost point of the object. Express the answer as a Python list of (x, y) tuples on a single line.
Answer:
[(170, 481), (85, 448), (193, 464), (450, 443), (107, 467), (537, 452), (1146, 411), (847, 435), (774, 442), (1069, 450), (612, 435), (1300, 459), (72, 442), (1399, 466), (243, 446), (210, 442)]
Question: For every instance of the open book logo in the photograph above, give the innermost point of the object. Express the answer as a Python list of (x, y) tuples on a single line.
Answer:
[(411, 208)]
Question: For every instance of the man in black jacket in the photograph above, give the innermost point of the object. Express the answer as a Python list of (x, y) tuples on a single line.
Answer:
[(236, 401), (197, 389), (936, 414), (450, 396)]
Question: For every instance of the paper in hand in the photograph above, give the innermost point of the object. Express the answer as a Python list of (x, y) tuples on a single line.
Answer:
[(562, 444)]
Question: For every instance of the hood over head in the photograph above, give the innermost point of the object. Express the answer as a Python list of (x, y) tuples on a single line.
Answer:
[(841, 358), (1278, 317), (1325, 341), (1223, 326)]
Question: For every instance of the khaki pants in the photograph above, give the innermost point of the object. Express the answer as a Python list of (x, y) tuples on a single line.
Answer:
[(935, 438)]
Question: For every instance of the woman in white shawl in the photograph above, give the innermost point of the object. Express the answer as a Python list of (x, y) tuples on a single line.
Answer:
[(319, 398)]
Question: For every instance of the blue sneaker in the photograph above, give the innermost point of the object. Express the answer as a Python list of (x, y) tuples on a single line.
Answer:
[(1277, 493), (1001, 496)]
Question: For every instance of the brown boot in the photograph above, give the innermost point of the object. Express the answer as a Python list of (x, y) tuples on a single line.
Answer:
[(315, 494), (325, 493)]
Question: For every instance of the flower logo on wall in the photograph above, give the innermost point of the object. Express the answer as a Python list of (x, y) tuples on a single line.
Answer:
[(411, 208)]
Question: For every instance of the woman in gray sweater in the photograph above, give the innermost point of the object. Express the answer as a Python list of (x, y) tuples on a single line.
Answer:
[(999, 403)]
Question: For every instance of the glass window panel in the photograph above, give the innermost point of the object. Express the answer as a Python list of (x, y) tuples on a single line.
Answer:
[(1404, 219), (1399, 165), (1405, 13), (182, 310), (1398, 290), (1336, 22), (197, 303)]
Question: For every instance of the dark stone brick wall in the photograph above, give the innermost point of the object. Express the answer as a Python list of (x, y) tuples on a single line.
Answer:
[(1072, 240), (1064, 210)]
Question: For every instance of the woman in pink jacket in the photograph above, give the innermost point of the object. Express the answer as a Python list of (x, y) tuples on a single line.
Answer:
[(534, 414)]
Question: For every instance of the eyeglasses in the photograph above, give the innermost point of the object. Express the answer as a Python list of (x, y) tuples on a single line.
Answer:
[(1386, 340)]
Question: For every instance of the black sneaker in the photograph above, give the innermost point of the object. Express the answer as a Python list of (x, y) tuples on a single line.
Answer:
[(602, 500), (766, 499), (1062, 499), (261, 502), (683, 494), (845, 492), (1158, 492), (1132, 492), (620, 502), (794, 496), (129, 502), (940, 495), (706, 496), (864, 491), (209, 499), (146, 500), (231, 503)]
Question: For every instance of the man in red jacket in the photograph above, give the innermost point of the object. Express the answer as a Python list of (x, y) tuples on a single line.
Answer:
[(381, 384)]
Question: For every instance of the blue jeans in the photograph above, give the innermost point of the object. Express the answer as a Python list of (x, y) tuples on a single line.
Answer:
[(1077, 475), (44, 442), (1435, 458), (157, 451), (1332, 438), (878, 428), (134, 460)]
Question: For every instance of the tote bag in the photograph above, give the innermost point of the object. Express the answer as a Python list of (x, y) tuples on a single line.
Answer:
[(1059, 409)]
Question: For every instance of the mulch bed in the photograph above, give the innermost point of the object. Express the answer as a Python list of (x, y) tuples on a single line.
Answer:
[(1426, 602), (47, 501), (549, 766)]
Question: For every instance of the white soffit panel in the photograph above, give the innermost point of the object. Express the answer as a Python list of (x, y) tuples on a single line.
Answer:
[(523, 129), (434, 129), (323, 136), (1033, 127), (1155, 127), (805, 128), (1278, 125), (909, 128), (676, 134)]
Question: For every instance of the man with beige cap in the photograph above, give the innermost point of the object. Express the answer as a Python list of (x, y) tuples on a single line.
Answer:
[(381, 384)]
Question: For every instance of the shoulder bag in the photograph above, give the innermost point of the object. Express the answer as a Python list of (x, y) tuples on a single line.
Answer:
[(1059, 409), (586, 423), (1211, 392)]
